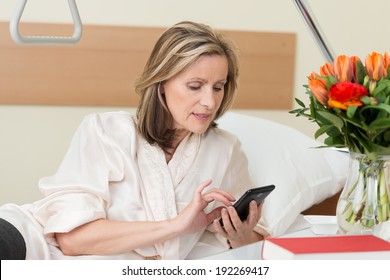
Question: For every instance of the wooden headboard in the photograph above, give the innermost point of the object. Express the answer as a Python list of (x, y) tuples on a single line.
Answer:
[(101, 69)]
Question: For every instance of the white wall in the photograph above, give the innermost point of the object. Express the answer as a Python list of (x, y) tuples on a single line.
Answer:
[(33, 139)]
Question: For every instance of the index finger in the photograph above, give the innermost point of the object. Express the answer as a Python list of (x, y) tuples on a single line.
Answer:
[(222, 197)]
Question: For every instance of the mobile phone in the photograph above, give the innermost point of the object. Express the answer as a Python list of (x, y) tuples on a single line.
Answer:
[(257, 194)]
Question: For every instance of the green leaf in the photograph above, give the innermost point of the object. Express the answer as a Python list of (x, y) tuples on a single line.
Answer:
[(336, 142), (361, 72), (379, 88), (351, 111), (356, 122), (369, 148), (295, 111), (375, 149), (380, 106), (334, 132), (330, 80), (338, 122), (323, 129), (379, 124), (382, 90), (387, 101), (366, 100), (300, 103), (301, 112), (386, 135), (382, 115)]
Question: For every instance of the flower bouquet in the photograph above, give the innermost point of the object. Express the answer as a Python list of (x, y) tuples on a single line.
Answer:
[(350, 102)]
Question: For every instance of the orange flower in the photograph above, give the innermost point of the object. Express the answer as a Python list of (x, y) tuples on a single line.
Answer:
[(375, 65), (319, 88), (387, 61), (343, 68), (327, 69), (354, 60), (344, 94)]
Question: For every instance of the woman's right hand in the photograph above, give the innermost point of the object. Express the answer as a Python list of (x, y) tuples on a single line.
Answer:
[(104, 237), (193, 217)]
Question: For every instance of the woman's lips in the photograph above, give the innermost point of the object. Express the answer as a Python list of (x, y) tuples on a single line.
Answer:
[(202, 117)]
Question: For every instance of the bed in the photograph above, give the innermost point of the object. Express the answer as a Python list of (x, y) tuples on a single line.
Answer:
[(100, 71)]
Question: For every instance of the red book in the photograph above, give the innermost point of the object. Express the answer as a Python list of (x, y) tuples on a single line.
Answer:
[(340, 247)]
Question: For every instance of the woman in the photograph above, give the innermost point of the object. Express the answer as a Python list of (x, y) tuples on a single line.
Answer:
[(155, 185)]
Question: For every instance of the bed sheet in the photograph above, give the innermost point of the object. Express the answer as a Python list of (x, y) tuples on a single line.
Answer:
[(300, 227)]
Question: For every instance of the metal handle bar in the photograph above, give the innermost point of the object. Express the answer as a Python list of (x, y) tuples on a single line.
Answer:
[(14, 28), (313, 26)]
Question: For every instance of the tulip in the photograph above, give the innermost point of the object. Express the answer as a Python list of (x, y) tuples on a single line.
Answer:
[(344, 94), (354, 60), (318, 87), (327, 69), (343, 68), (387, 62), (375, 65)]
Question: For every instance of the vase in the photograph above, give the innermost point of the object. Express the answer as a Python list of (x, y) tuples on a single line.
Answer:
[(365, 200)]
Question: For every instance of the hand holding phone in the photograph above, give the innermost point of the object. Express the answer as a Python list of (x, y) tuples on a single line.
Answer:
[(257, 194)]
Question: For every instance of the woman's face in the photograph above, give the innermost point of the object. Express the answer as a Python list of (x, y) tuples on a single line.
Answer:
[(194, 95)]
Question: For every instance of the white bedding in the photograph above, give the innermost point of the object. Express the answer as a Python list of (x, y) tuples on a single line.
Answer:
[(277, 154), (300, 227)]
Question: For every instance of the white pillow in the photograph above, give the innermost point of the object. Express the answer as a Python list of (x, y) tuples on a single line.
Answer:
[(283, 156)]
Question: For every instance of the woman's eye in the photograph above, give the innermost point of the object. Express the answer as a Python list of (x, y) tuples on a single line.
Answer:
[(192, 87), (217, 89)]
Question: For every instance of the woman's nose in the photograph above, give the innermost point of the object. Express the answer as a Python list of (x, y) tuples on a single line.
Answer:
[(207, 99)]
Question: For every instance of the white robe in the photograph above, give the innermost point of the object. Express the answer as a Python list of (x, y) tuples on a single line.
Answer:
[(109, 172)]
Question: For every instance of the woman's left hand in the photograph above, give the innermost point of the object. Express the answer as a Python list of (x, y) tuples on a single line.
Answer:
[(239, 232)]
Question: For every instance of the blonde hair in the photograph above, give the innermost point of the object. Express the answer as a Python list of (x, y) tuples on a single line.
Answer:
[(177, 48)]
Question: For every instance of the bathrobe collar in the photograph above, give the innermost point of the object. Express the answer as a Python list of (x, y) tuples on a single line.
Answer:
[(160, 180)]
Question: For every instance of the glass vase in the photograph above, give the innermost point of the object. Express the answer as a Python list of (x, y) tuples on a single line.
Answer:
[(365, 200)]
